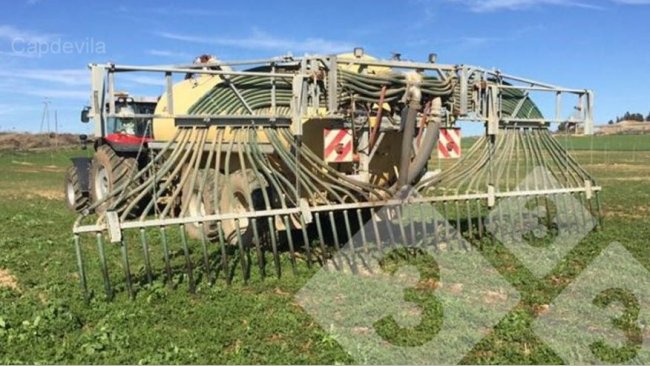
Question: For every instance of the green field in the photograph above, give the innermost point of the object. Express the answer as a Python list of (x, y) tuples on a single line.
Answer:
[(606, 143), (43, 318)]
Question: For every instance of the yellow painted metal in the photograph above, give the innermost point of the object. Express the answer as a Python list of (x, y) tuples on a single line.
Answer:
[(187, 92)]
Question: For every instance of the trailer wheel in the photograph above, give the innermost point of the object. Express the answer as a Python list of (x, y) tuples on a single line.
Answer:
[(199, 204), (109, 171), (235, 199), (75, 198)]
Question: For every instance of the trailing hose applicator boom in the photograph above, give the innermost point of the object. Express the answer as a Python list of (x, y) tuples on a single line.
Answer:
[(291, 156)]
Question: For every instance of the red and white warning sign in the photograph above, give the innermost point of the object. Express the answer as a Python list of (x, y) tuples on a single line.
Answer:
[(337, 145), (449, 143)]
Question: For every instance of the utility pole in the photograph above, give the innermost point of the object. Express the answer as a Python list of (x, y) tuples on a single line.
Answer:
[(56, 130), (45, 119)]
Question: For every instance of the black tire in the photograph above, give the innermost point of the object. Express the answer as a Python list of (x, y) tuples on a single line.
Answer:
[(234, 199), (75, 198), (108, 172), (211, 202), (200, 204)]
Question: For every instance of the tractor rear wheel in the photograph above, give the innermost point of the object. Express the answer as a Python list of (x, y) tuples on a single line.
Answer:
[(76, 199), (108, 172)]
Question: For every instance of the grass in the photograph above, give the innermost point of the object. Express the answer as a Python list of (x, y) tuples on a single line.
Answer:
[(606, 143), (45, 320)]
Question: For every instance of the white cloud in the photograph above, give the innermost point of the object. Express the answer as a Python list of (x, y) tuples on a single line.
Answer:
[(483, 6), (22, 37), (261, 40), (71, 84), (17, 88), (477, 41), (141, 79), (200, 11), (57, 93), (59, 76), (11, 33), (633, 2), (169, 54), (19, 54)]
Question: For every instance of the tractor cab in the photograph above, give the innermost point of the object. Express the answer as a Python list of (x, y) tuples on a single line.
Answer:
[(131, 122), (128, 121), (120, 137)]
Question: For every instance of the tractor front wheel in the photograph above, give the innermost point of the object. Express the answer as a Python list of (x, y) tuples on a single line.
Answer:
[(75, 197)]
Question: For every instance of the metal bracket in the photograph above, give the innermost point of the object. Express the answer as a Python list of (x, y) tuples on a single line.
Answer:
[(297, 103), (113, 223), (332, 76), (589, 114), (491, 198), (305, 211), (464, 80), (231, 120), (588, 190), (493, 111)]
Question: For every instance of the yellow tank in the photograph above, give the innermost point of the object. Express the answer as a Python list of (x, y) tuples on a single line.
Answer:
[(186, 93), (189, 91)]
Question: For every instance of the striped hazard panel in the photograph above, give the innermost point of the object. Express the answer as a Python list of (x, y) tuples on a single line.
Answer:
[(337, 145), (449, 143)]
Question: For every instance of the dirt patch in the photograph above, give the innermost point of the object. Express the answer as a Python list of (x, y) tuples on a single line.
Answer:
[(624, 215), (429, 284), (7, 280), (49, 194), (541, 309), (492, 297), (619, 166), (38, 170), (639, 212), (36, 141), (21, 163), (456, 288)]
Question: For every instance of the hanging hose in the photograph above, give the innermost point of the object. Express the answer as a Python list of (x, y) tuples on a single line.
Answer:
[(380, 109), (413, 95), (428, 142)]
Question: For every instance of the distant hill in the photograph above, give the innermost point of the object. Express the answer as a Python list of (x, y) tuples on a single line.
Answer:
[(12, 141), (624, 128)]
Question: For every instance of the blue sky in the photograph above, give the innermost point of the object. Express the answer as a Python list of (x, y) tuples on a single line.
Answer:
[(602, 45)]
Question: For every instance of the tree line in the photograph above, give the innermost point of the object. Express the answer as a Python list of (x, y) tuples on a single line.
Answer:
[(630, 117)]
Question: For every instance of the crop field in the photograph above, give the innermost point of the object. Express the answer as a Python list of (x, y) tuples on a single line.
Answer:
[(44, 319)]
